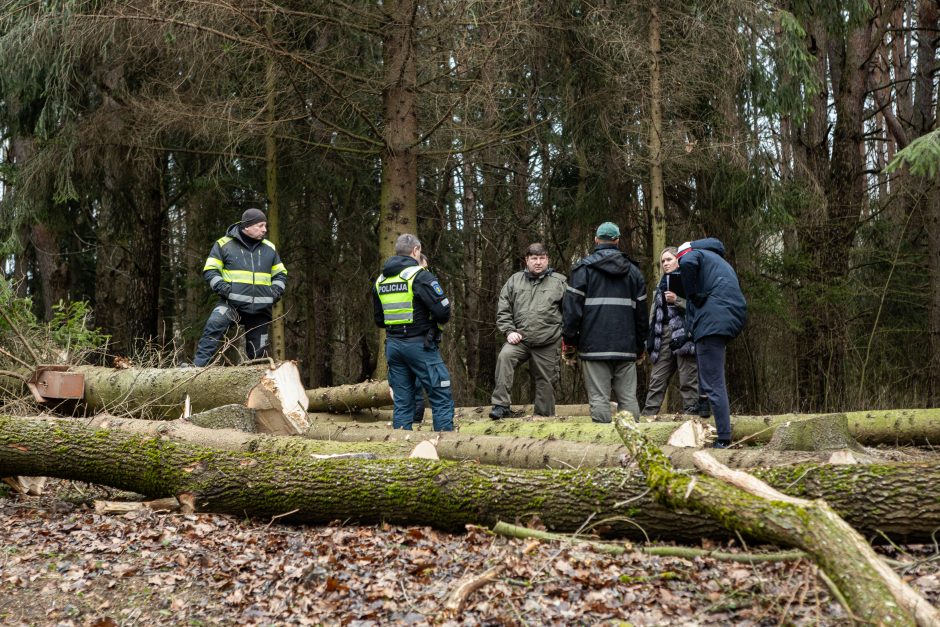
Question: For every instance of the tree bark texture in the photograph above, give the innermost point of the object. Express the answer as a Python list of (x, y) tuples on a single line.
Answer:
[(160, 393), (347, 398), (874, 592), (535, 453), (900, 500), (891, 427)]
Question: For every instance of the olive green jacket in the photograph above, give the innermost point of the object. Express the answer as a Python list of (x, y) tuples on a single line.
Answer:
[(532, 307)]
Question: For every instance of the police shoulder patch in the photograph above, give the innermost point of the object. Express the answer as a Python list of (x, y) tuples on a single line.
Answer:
[(437, 288)]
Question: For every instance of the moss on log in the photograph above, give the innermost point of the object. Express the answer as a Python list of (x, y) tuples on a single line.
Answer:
[(744, 504), (535, 452), (902, 500)]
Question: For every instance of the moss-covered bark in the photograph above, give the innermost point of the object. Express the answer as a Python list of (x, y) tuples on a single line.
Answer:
[(575, 431), (901, 427), (771, 516), (545, 452), (902, 500)]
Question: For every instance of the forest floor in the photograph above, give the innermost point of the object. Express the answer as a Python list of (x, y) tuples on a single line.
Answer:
[(63, 564)]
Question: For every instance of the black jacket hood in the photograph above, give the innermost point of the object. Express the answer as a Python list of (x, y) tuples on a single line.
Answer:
[(396, 263), (610, 260)]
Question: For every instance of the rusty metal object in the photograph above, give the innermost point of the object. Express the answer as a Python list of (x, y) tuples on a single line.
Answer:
[(55, 382)]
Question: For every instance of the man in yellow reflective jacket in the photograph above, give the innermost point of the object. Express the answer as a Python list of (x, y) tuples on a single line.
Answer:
[(410, 304), (244, 269)]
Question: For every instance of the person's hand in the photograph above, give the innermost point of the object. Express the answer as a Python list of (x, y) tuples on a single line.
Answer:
[(514, 337), (670, 297), (641, 359), (569, 354)]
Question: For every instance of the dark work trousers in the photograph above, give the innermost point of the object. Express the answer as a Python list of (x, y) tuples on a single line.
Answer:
[(411, 366), (710, 352), (257, 331), (544, 366)]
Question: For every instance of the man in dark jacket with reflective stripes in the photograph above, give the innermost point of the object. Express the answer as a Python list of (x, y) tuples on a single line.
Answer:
[(716, 311), (409, 303), (244, 269), (605, 319)]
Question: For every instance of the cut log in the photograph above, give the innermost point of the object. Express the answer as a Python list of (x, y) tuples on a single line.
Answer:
[(276, 393), (232, 440), (535, 453), (895, 427), (901, 501), (350, 398), (823, 433), (742, 503), (513, 452), (482, 413)]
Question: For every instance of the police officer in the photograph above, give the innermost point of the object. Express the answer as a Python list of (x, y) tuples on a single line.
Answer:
[(409, 304), (244, 269)]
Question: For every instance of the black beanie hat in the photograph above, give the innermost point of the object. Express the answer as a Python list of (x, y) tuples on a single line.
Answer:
[(252, 216)]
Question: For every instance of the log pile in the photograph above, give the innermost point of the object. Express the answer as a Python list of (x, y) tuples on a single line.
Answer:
[(216, 439)]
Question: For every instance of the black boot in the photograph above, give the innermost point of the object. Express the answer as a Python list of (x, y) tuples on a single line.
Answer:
[(721, 444), (500, 411)]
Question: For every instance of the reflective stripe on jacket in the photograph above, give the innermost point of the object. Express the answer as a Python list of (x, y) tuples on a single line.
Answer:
[(396, 293), (248, 274)]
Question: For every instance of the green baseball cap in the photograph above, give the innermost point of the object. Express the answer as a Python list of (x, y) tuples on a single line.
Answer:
[(608, 231)]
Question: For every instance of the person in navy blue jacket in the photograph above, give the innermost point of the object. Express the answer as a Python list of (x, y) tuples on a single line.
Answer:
[(716, 312)]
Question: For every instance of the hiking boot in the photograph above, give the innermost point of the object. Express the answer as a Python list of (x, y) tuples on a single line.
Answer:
[(703, 409), (500, 411), (721, 444)]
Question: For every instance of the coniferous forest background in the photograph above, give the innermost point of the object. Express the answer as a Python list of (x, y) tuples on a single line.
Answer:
[(133, 132)]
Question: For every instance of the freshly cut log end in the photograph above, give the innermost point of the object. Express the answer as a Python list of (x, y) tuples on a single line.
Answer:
[(281, 401), (690, 434)]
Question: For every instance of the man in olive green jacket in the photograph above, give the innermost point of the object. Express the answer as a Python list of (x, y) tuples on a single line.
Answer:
[(529, 316)]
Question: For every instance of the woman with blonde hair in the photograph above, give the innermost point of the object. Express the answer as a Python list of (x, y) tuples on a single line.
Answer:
[(669, 344)]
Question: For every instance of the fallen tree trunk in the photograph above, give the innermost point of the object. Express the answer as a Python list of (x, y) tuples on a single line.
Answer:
[(513, 452), (657, 432), (908, 427), (350, 398), (535, 453), (874, 592), (482, 412), (901, 500), (276, 393)]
